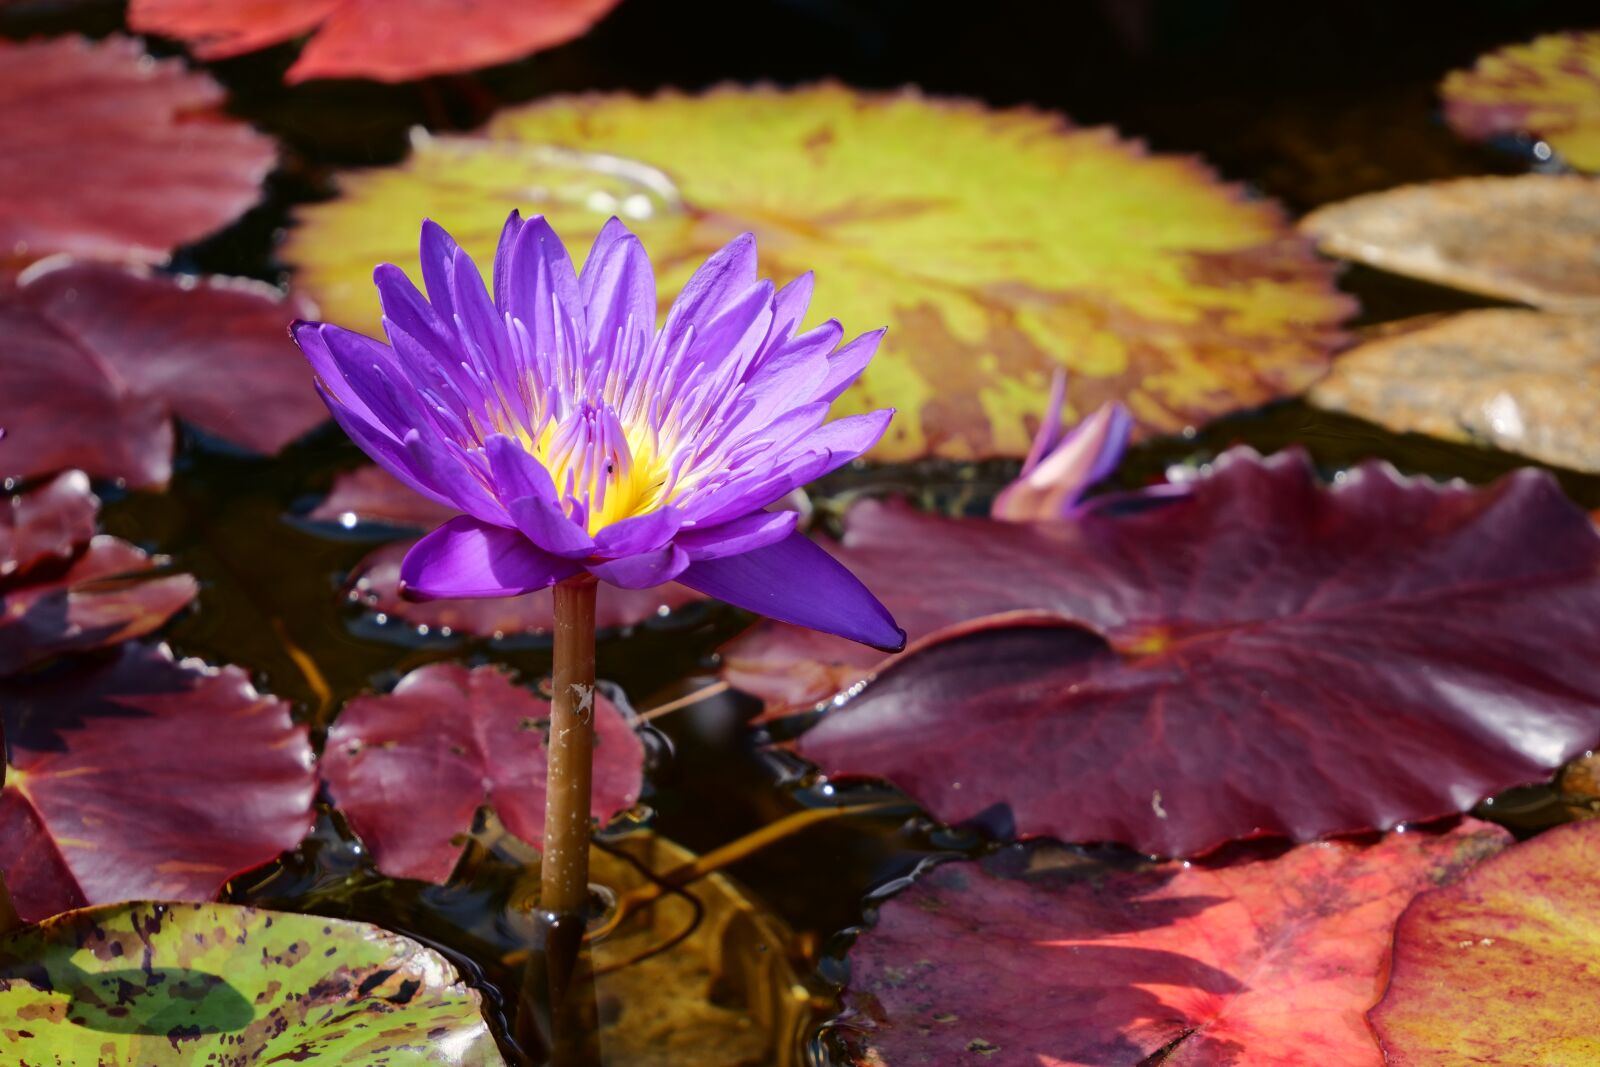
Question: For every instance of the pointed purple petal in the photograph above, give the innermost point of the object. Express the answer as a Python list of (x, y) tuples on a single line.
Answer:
[(795, 581), (530, 496), (722, 278), (643, 570), (1053, 487), (745, 534), (502, 260), (639, 533), (467, 558), (789, 306), (618, 287), (437, 253), (1050, 429), (847, 364), (541, 283)]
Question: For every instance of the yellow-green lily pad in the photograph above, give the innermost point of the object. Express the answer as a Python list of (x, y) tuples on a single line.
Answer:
[(163, 985), (1547, 89), (997, 246)]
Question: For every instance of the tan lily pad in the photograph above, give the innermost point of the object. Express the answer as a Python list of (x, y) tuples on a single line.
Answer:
[(1523, 381), (1533, 239), (998, 246), (1548, 88), (164, 985)]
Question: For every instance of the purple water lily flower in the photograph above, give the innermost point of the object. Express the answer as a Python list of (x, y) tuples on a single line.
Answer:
[(1062, 466), (576, 437)]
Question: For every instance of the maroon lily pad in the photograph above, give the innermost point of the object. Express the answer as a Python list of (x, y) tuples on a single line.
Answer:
[(1264, 655), (1037, 957), (112, 154), (411, 767), (368, 494), (99, 359), (63, 589), (139, 777), (49, 523), (385, 40)]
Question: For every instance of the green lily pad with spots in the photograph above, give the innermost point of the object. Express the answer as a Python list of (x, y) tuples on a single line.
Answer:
[(997, 246), (162, 985)]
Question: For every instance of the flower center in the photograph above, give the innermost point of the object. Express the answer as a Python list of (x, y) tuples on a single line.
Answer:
[(604, 471)]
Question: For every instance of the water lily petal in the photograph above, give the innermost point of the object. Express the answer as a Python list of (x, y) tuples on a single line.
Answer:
[(744, 534), (643, 570), (796, 581), (468, 558)]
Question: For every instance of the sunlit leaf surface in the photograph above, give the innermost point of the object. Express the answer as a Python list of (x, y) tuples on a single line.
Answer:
[(1534, 238), (1036, 956), (369, 495), (111, 154), (1548, 88), (175, 985), (97, 360), (997, 246), (385, 40), (1524, 381), (138, 776), (64, 589), (1263, 655), (409, 768), (1502, 966)]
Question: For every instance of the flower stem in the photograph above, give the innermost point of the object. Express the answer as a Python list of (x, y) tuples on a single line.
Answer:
[(564, 870)]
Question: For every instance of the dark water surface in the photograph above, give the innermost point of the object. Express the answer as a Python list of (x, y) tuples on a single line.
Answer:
[(1307, 103)]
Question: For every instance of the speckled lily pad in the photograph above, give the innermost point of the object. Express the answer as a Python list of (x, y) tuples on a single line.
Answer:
[(159, 985)]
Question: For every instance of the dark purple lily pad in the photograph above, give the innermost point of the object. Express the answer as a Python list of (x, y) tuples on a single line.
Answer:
[(1037, 957), (411, 767), (1263, 656), (113, 154), (369, 495), (100, 359), (138, 776), (64, 589)]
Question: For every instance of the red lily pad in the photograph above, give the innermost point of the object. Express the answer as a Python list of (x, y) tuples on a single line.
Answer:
[(100, 359), (385, 40), (1265, 655), (63, 589), (369, 494), (1037, 957), (411, 767), (144, 777), (112, 154)]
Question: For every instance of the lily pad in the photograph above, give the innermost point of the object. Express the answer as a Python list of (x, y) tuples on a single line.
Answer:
[(1533, 239), (113, 154), (385, 40), (1501, 967), (370, 495), (411, 767), (1547, 89), (138, 776), (1523, 381), (99, 359), (169, 985), (64, 589), (1038, 956), (998, 246), (1262, 655)]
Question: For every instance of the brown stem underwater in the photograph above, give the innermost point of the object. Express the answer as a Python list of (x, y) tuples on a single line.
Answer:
[(564, 870)]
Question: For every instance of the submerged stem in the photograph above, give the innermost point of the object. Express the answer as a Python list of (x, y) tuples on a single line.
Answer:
[(564, 870)]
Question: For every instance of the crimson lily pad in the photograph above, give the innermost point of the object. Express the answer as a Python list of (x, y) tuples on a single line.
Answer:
[(64, 589), (411, 767), (170, 985), (1262, 655), (385, 40), (1040, 957), (138, 776), (113, 154), (370, 495), (1501, 967), (100, 359)]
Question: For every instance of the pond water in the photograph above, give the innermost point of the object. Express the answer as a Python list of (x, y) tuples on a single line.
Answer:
[(1304, 104)]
